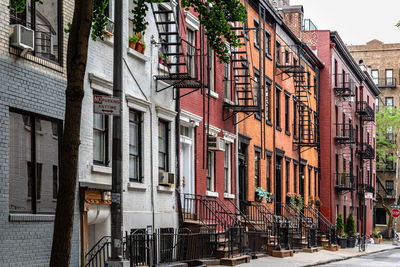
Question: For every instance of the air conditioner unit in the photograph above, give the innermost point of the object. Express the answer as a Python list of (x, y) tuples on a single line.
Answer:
[(216, 143), (22, 37), (166, 178)]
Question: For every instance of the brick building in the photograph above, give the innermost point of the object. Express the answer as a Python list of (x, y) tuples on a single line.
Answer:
[(32, 97), (382, 62)]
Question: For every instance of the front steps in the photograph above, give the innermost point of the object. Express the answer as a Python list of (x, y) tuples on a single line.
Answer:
[(235, 260), (282, 253)]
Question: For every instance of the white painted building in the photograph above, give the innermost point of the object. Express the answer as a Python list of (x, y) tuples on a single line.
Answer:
[(148, 120)]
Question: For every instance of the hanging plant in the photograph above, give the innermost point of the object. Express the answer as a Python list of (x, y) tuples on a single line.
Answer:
[(264, 195), (300, 202)]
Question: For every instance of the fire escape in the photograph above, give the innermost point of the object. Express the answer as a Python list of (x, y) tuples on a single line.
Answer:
[(345, 136), (365, 148), (292, 66)]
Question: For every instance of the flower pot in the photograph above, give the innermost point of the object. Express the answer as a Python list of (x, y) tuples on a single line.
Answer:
[(160, 60), (342, 242), (351, 242), (377, 240), (132, 45), (140, 47)]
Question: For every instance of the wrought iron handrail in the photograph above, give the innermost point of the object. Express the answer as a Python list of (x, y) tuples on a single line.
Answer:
[(344, 180), (242, 215), (386, 82), (344, 132), (97, 252)]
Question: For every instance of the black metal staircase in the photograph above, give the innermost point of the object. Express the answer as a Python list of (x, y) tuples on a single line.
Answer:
[(180, 54)]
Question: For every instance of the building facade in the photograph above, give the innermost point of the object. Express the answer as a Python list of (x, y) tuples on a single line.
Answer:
[(32, 97), (381, 61)]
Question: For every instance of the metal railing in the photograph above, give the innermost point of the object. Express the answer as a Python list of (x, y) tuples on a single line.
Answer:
[(325, 227), (345, 133), (364, 109), (344, 181), (365, 150), (386, 82), (175, 245), (343, 84), (99, 253), (308, 25)]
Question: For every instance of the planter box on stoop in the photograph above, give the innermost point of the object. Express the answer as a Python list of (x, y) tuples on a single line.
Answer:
[(351, 242), (342, 242)]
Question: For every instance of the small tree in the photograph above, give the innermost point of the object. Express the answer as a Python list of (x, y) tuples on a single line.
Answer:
[(350, 228), (339, 225)]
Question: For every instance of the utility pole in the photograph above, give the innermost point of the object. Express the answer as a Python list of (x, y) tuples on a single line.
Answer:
[(116, 190), (395, 241)]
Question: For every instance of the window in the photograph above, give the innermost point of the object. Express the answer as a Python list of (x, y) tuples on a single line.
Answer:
[(375, 76), (389, 77), (227, 81), (287, 175), (100, 139), (227, 167), (269, 161), (210, 170), (33, 163), (389, 187), (268, 101), (294, 118), (44, 18), (377, 104), (380, 216), (315, 87), (256, 87), (335, 73), (295, 178), (308, 80), (278, 53), (309, 181), (315, 182), (278, 108), (287, 129), (287, 57), (212, 71), (268, 43), (191, 48), (389, 101), (257, 169), (135, 165), (163, 151), (256, 34)]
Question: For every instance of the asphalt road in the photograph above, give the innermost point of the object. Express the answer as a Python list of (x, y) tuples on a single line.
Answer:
[(381, 259)]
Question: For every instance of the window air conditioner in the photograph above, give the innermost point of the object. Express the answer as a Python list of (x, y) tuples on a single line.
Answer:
[(216, 143), (22, 37), (166, 178)]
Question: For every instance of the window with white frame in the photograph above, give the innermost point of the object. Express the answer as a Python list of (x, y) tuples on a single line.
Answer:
[(100, 139), (375, 76), (212, 71), (210, 171), (33, 163), (256, 34), (227, 81), (191, 41), (135, 166), (227, 167), (163, 151), (389, 77)]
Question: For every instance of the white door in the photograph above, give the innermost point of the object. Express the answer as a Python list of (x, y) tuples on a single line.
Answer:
[(187, 181)]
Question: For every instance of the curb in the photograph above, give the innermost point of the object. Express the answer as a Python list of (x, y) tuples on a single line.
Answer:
[(347, 257)]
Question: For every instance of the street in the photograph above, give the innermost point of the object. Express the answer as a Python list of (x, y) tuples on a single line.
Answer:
[(381, 259)]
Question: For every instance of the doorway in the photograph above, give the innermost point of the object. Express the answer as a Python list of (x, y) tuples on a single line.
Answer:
[(301, 183), (278, 185), (242, 176), (187, 161)]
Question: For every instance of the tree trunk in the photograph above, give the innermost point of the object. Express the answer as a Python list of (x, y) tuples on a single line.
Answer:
[(76, 67)]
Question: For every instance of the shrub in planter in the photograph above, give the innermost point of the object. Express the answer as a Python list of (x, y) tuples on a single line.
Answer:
[(377, 236), (140, 46), (350, 230), (133, 41), (342, 240)]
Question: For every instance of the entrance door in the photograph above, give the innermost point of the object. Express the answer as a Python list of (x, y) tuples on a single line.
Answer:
[(187, 163), (278, 185), (242, 176), (301, 184)]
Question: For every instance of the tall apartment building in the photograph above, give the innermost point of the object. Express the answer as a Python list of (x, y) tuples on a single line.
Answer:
[(32, 97), (382, 62)]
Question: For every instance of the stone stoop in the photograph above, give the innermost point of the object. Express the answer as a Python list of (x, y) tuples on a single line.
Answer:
[(282, 253), (235, 260), (270, 248)]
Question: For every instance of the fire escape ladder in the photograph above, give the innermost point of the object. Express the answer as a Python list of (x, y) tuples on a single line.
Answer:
[(179, 57), (242, 78)]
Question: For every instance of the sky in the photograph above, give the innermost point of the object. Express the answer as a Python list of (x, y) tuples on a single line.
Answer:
[(357, 21)]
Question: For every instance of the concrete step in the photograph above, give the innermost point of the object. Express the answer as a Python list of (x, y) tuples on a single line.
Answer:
[(282, 253)]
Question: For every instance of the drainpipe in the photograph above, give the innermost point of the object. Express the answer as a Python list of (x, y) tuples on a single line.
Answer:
[(153, 44), (273, 91)]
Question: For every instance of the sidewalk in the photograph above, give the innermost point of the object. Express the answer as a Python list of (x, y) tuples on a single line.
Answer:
[(323, 256)]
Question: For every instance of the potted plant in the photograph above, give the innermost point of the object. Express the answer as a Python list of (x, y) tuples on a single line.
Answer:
[(342, 241), (161, 57), (377, 236), (299, 202), (140, 46), (350, 230), (263, 195), (139, 23), (343, 181), (133, 41)]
